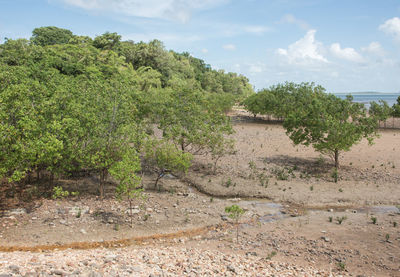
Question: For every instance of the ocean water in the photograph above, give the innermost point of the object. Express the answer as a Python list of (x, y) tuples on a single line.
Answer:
[(366, 98)]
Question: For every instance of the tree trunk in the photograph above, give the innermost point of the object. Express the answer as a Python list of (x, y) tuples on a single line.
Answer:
[(337, 159), (131, 212), (103, 174), (160, 175), (237, 231)]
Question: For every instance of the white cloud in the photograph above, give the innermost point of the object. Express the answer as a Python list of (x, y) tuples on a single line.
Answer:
[(256, 29), (291, 19), (256, 68), (374, 48), (164, 37), (179, 10), (230, 47), (392, 27), (204, 50), (305, 51), (348, 54)]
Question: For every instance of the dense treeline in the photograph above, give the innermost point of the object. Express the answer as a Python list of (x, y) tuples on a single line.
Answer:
[(313, 117), (72, 103)]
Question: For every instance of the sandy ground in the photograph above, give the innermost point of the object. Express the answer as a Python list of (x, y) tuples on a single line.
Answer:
[(296, 216)]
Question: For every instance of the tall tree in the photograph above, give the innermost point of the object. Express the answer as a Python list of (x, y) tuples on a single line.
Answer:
[(50, 35), (331, 125)]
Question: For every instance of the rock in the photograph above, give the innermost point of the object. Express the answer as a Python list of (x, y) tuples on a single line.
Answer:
[(63, 222), (149, 210), (79, 210), (110, 258), (17, 211), (224, 217), (58, 272), (94, 274), (231, 268), (134, 211), (137, 269), (83, 231), (234, 199), (14, 268), (110, 220), (326, 239), (251, 254)]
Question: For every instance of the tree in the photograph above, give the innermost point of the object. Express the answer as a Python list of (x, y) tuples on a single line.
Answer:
[(235, 212), (107, 41), (188, 119), (125, 172), (331, 125), (164, 157), (396, 108), (381, 111), (50, 35)]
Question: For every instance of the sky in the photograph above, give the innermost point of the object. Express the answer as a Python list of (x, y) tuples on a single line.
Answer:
[(343, 45)]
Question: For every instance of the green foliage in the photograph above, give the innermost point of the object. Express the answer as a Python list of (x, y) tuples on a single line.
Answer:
[(341, 219), (312, 117), (341, 266), (164, 157), (374, 220), (70, 103), (396, 108), (381, 111), (50, 35), (59, 193), (107, 41), (125, 172), (235, 212)]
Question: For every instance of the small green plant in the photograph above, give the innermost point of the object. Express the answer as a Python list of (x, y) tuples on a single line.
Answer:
[(374, 220), (341, 219), (311, 188), (212, 199), (228, 183), (129, 187), (146, 217), (59, 193), (74, 193), (280, 174), (335, 175), (341, 266), (321, 160), (271, 255), (264, 180), (330, 218), (373, 166), (394, 224), (78, 215), (235, 212), (340, 190), (387, 237), (116, 227)]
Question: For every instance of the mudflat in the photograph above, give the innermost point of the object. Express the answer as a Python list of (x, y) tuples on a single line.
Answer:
[(297, 220)]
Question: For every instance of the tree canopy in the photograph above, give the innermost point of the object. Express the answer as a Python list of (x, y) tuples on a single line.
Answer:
[(313, 117), (71, 103)]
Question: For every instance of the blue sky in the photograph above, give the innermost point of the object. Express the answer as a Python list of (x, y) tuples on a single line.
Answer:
[(345, 46)]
